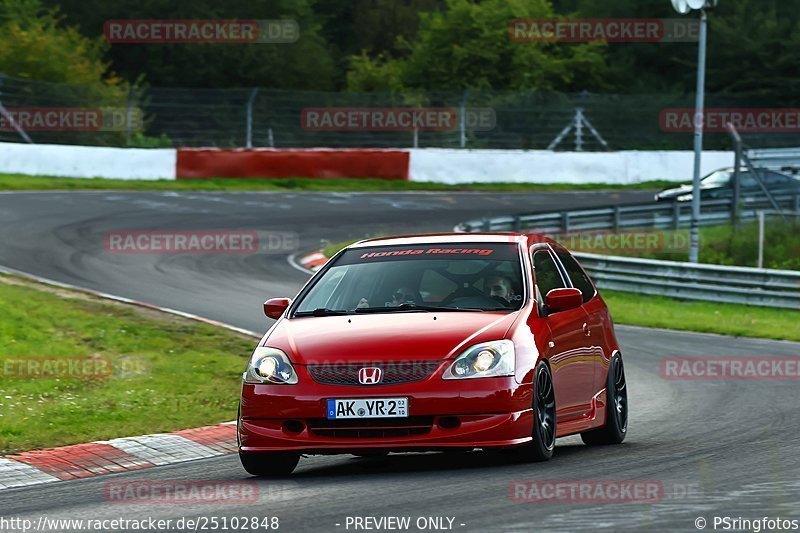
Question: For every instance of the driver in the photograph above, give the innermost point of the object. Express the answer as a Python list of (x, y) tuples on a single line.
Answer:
[(404, 295), (499, 287)]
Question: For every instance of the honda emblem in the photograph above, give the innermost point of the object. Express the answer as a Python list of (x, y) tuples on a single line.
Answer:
[(370, 375)]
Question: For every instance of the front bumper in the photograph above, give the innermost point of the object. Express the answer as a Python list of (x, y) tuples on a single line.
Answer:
[(471, 413)]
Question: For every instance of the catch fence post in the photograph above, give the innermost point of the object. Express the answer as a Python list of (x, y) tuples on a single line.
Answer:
[(249, 133)]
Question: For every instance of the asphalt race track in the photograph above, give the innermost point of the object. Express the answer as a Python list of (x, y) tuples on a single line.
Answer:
[(724, 448)]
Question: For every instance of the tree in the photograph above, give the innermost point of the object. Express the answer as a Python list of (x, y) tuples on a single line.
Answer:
[(468, 45), (374, 75), (307, 63), (752, 49), (34, 44)]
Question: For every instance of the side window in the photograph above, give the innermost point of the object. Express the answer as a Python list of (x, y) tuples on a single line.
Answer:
[(747, 180), (776, 179), (579, 278), (546, 273)]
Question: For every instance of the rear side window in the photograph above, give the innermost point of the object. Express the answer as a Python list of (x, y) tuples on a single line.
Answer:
[(773, 178), (546, 273), (579, 278)]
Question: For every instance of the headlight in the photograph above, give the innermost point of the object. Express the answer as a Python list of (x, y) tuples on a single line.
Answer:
[(490, 359), (684, 198), (269, 365)]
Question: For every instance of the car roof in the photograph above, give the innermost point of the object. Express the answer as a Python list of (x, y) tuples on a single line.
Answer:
[(450, 238)]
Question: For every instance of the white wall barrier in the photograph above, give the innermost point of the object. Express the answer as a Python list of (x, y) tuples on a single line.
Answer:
[(426, 164), (87, 161), (542, 166)]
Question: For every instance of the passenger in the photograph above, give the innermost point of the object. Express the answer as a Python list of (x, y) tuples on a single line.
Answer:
[(499, 287)]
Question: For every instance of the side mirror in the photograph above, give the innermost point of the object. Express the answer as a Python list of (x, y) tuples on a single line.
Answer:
[(563, 299), (275, 307)]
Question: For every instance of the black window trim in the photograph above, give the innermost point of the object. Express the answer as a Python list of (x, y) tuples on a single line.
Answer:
[(545, 247), (566, 274)]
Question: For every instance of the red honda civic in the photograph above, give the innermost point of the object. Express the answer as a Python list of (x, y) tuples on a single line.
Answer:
[(435, 343)]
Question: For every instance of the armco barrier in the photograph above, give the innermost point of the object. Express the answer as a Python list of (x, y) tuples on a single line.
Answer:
[(664, 215), (715, 283)]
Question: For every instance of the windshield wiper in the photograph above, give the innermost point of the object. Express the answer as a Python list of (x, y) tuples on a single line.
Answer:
[(405, 307), (322, 311)]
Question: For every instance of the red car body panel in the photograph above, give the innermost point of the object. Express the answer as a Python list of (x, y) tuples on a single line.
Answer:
[(578, 344), (365, 338)]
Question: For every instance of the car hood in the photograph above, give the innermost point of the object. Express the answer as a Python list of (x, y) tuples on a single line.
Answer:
[(386, 337), (684, 189)]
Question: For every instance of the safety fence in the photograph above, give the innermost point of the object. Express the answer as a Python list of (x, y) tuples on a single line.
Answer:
[(274, 118)]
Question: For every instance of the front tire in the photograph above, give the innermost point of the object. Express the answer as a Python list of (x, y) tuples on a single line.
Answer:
[(269, 464), (372, 454), (616, 427), (544, 420)]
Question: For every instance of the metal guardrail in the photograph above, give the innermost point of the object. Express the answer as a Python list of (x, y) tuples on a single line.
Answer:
[(690, 281), (779, 159), (672, 215)]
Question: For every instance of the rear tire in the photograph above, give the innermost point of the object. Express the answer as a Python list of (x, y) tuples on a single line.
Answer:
[(270, 464), (544, 420), (616, 427)]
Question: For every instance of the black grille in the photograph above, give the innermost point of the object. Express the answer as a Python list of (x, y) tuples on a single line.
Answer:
[(393, 373), (371, 428)]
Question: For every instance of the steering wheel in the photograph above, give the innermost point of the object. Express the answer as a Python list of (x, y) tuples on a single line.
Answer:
[(462, 292)]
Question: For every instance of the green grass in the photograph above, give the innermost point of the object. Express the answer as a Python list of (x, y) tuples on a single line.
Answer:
[(727, 245), (19, 182), (330, 250), (705, 317), (167, 373)]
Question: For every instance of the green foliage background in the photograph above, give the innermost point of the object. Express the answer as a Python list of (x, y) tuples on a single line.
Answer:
[(404, 45)]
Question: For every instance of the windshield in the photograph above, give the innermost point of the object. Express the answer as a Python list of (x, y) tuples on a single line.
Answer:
[(719, 178), (440, 277)]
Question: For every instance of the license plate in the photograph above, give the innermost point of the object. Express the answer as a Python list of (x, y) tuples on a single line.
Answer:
[(368, 408)]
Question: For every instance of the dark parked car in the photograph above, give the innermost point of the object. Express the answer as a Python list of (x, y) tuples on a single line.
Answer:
[(719, 184)]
